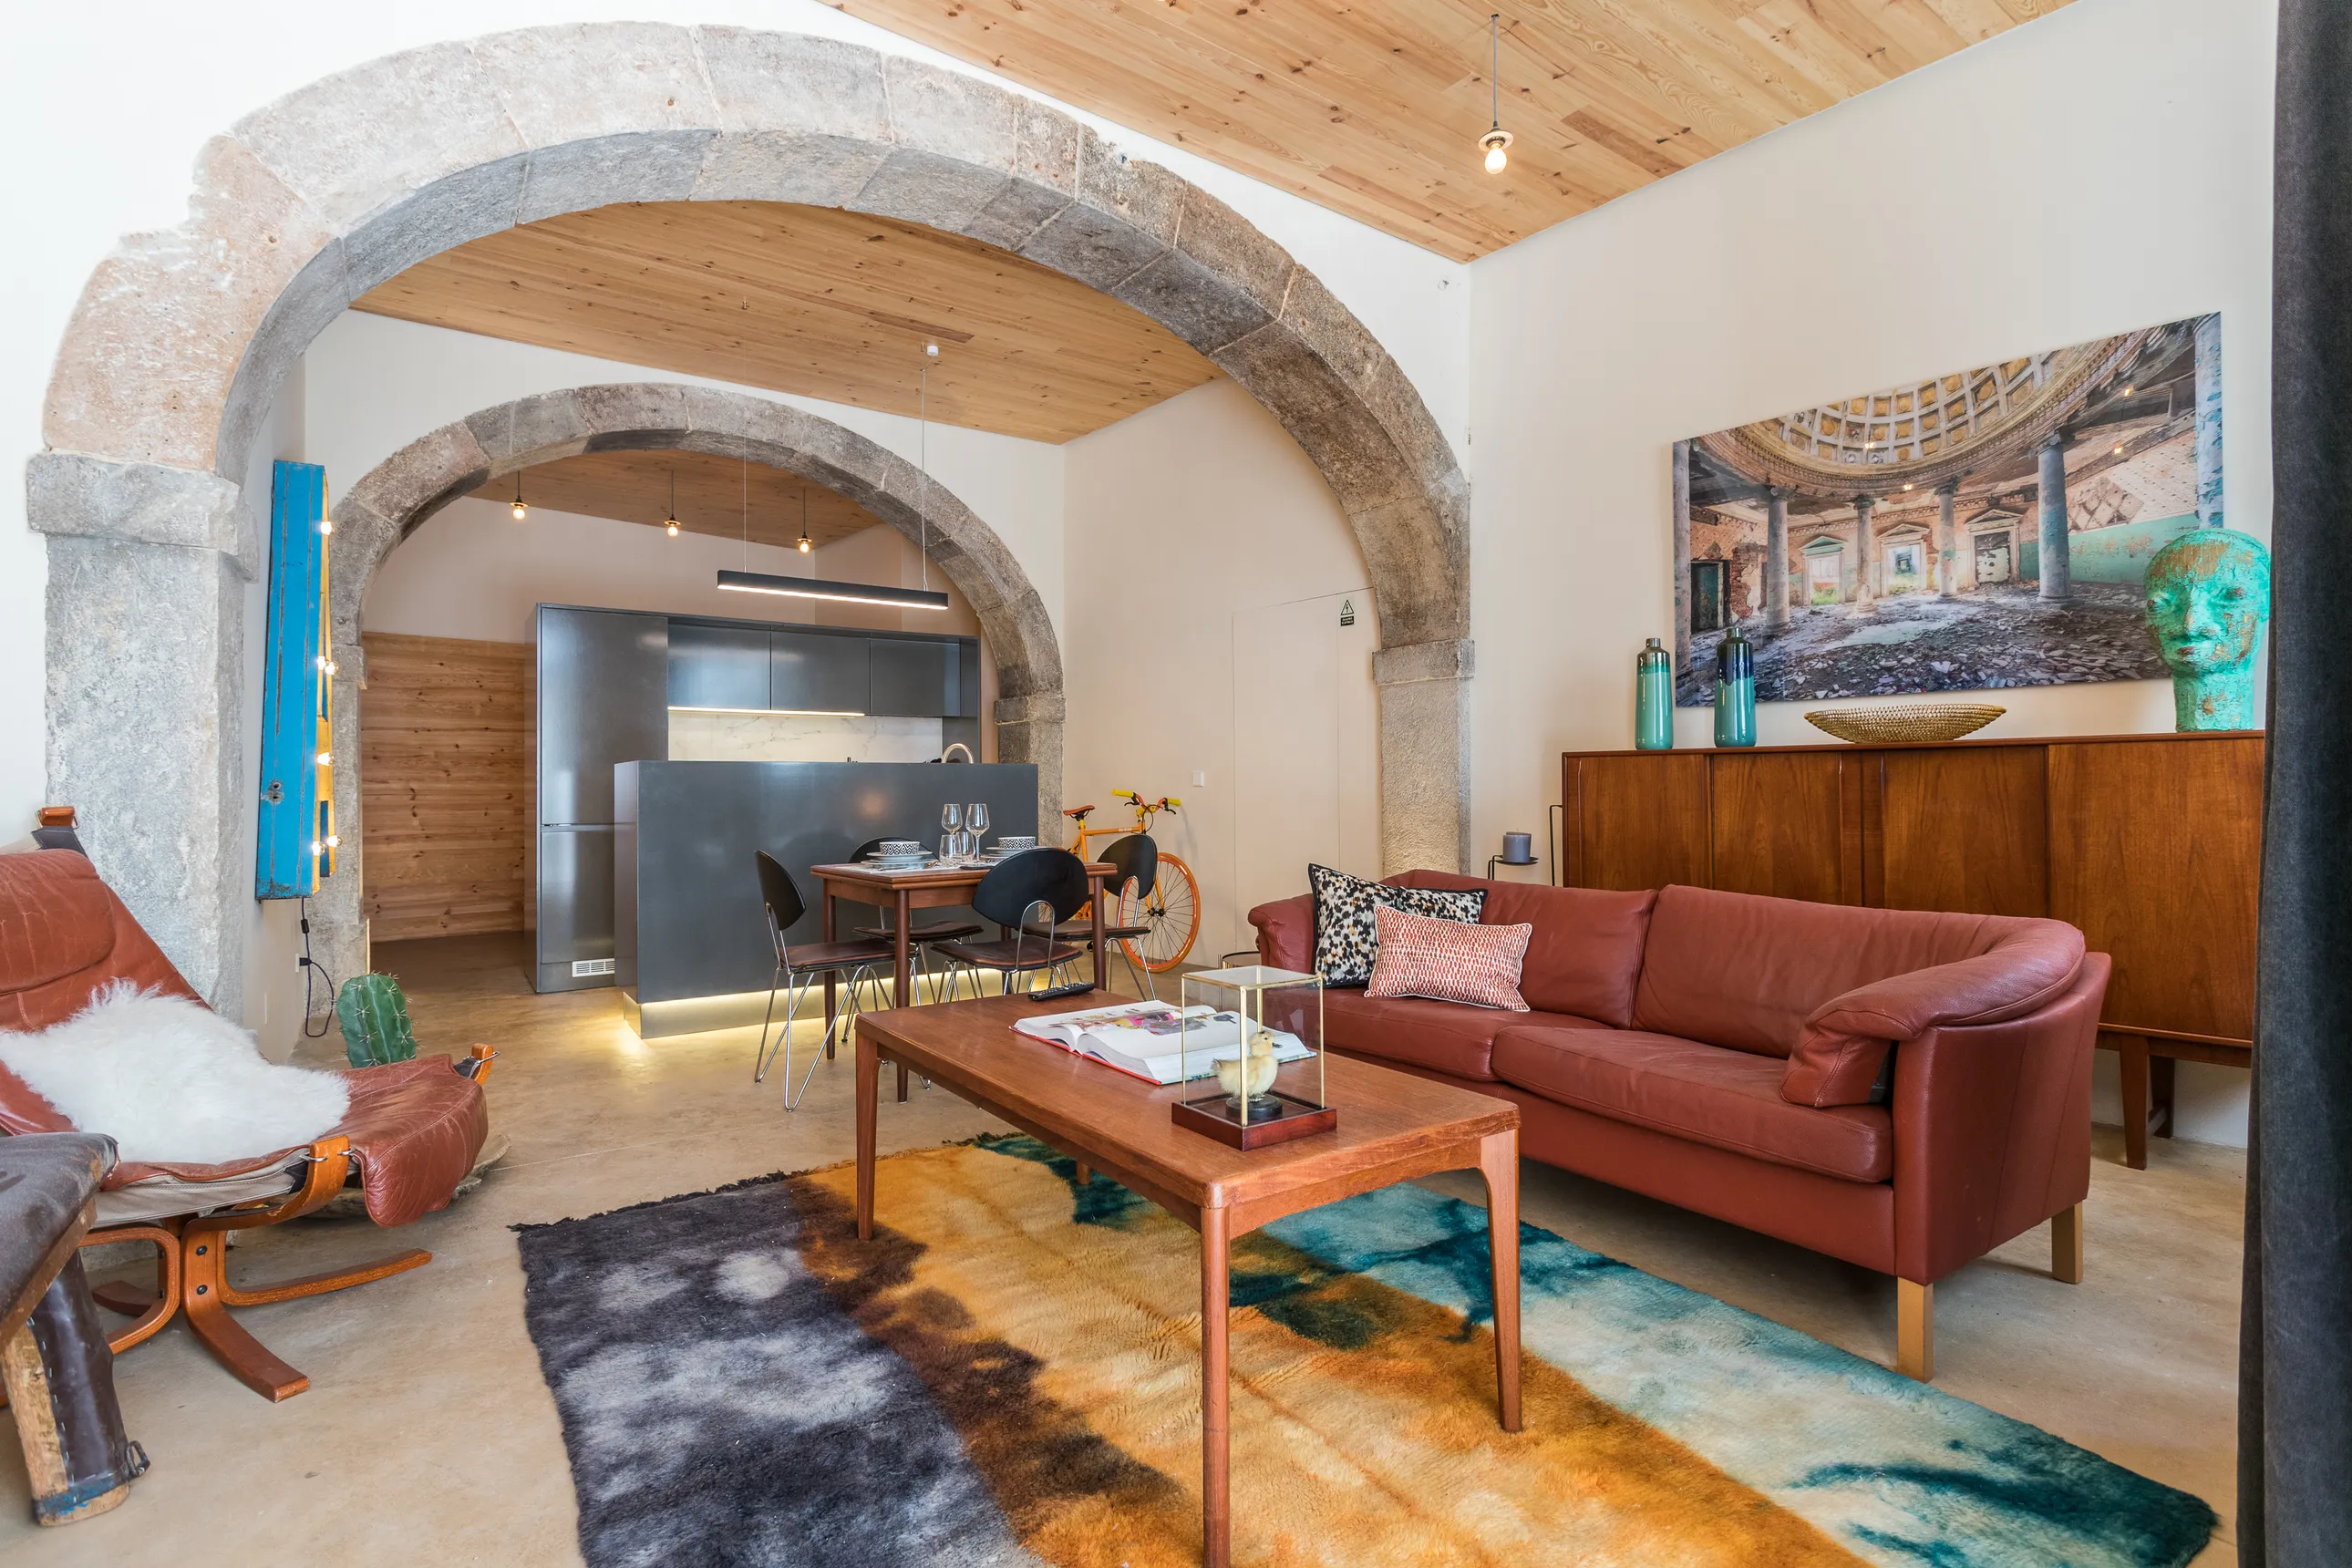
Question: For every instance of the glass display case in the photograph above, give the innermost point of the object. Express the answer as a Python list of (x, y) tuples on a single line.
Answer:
[(1262, 1042)]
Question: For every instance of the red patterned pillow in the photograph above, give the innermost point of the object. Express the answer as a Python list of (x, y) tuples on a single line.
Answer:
[(1447, 960)]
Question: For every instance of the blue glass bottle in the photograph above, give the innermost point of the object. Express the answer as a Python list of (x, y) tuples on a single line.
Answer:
[(1735, 691), (1653, 698)]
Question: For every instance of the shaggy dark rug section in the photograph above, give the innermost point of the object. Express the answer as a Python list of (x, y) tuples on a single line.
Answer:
[(721, 1409)]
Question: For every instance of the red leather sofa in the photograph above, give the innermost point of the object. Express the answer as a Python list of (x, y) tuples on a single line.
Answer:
[(1731, 1054)]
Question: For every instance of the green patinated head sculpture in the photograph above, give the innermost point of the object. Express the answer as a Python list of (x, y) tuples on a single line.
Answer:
[(2209, 593)]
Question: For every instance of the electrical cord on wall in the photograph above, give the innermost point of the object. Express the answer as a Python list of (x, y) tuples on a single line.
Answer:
[(312, 966)]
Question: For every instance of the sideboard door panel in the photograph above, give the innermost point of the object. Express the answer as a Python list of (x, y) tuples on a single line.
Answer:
[(1637, 820), (1965, 829), (2156, 853), (1777, 824)]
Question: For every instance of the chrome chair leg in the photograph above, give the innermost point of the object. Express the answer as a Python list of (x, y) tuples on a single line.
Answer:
[(767, 1053), (792, 1098)]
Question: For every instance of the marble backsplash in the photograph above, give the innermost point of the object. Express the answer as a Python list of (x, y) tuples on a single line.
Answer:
[(700, 736)]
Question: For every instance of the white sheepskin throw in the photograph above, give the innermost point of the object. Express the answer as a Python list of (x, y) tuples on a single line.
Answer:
[(173, 1082)]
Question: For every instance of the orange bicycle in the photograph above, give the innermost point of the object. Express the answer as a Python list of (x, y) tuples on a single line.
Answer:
[(1169, 911)]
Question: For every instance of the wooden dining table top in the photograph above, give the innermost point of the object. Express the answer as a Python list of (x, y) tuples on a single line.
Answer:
[(929, 877)]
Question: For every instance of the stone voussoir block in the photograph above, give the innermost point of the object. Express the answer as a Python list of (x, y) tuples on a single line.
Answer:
[(404, 484), (438, 216), (783, 81), (633, 408), (634, 166), (928, 188), (813, 170), (1235, 249), (1205, 309), (316, 296), (361, 140), (578, 82), (959, 118)]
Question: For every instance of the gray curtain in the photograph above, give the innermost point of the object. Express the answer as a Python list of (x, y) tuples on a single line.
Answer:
[(2294, 1441)]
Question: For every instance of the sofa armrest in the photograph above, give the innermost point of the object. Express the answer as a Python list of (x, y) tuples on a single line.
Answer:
[(1286, 932), (1838, 1055), (1992, 1127)]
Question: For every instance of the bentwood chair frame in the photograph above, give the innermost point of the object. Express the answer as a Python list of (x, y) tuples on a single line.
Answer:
[(799, 966), (1137, 858), (1052, 879)]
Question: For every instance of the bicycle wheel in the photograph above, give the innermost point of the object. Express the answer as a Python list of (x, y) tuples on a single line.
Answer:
[(1172, 916)]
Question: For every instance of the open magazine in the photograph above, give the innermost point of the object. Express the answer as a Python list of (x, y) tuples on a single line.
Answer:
[(1140, 1037)]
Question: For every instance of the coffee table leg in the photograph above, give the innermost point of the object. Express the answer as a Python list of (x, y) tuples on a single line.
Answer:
[(869, 1062), (1216, 1516), (1499, 1162)]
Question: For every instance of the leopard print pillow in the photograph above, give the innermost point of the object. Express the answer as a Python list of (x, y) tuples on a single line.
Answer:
[(1346, 943)]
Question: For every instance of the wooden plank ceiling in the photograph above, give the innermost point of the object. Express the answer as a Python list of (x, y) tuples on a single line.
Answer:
[(1374, 109), (812, 300), (635, 487)]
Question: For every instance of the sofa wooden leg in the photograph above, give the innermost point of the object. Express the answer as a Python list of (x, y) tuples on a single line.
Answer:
[(152, 1311), (1914, 1329), (2066, 1245)]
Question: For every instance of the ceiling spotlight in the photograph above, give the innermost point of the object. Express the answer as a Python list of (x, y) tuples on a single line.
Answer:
[(1907, 484), (517, 508), (2128, 390), (2119, 451), (1496, 143)]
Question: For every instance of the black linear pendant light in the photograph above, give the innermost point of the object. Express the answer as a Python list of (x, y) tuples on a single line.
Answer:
[(923, 598)]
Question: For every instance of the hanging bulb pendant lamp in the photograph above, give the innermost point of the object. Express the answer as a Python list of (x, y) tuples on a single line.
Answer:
[(806, 545), (669, 522), (1497, 142)]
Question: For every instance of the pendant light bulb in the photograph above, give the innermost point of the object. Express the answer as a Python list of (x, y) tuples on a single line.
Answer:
[(1497, 142), (519, 511), (805, 545), (670, 528)]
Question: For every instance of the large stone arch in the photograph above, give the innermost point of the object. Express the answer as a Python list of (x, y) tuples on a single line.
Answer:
[(182, 338), (398, 494)]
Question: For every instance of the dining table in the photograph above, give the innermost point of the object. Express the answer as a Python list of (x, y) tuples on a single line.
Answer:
[(934, 886)]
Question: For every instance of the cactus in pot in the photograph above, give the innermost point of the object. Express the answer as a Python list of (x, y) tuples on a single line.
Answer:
[(374, 1017)]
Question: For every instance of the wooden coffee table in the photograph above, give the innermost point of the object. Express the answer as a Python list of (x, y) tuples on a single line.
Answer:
[(1393, 1127)]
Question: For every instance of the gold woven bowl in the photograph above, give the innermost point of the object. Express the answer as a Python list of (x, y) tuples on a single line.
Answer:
[(1881, 726)]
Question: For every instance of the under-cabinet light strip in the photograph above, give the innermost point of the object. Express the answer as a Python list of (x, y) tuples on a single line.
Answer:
[(789, 712)]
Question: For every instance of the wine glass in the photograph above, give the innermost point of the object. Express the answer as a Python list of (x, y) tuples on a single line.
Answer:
[(975, 821), (950, 820)]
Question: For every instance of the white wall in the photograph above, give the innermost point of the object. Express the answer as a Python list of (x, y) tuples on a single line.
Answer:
[(373, 385), (2104, 168), (118, 161), (1178, 518), (471, 571)]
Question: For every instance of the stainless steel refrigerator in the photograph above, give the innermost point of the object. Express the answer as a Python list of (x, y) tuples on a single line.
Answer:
[(604, 698)]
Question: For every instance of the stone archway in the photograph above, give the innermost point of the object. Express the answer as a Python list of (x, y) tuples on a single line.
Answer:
[(182, 338), (398, 494)]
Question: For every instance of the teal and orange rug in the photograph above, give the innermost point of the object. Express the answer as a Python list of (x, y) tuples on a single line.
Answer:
[(1008, 1373)]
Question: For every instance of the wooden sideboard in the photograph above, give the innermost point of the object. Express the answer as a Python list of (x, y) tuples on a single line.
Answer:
[(2151, 844)]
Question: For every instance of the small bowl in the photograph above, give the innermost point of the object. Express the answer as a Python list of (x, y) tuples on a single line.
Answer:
[(1009, 843), (898, 848)]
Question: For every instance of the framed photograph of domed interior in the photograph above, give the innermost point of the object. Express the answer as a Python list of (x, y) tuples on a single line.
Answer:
[(1986, 528)]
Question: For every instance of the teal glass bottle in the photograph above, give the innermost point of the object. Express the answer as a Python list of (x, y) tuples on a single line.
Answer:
[(1735, 691), (1653, 698)]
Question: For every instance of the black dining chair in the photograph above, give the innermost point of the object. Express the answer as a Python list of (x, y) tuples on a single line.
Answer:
[(921, 935), (1052, 879), (798, 965), (1137, 860)]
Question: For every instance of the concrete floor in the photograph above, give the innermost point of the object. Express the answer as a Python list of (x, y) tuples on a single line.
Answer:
[(428, 1436)]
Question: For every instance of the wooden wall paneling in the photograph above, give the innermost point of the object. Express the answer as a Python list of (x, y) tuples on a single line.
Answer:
[(1853, 885), (1964, 830), (1638, 819), (1778, 827), (445, 788), (2155, 850)]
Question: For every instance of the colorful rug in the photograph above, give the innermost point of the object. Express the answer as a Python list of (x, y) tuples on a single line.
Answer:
[(1008, 1373)]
